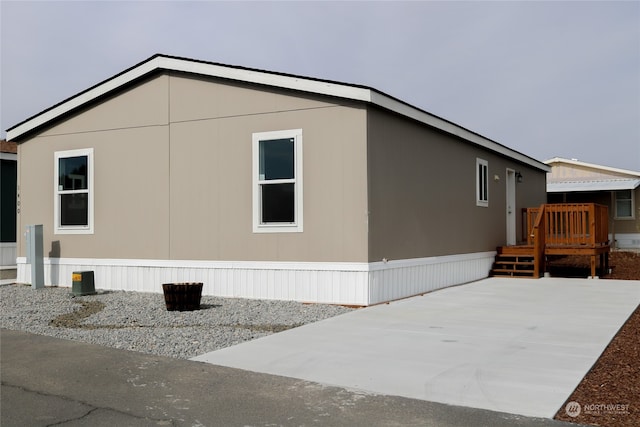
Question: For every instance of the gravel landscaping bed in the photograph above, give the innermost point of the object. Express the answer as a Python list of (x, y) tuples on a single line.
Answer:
[(140, 321), (623, 265)]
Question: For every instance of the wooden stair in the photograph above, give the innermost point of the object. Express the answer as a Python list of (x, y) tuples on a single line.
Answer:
[(514, 261)]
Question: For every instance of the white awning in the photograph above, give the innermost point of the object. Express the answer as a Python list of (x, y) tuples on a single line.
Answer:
[(582, 186)]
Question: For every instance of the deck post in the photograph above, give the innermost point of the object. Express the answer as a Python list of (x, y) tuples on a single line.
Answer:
[(593, 229)]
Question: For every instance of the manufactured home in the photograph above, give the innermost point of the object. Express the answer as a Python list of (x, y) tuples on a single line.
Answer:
[(264, 185), (573, 181)]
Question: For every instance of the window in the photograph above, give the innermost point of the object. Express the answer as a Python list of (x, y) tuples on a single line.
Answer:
[(73, 203), (624, 204), (277, 181), (482, 183)]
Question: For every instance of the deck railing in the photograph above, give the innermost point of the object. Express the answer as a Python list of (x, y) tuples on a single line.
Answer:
[(584, 225), (573, 224)]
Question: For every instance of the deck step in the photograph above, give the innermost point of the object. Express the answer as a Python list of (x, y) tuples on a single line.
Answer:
[(513, 261), (512, 250), (511, 273)]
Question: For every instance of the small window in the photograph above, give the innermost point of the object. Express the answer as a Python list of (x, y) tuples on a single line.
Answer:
[(624, 204), (277, 187), (482, 183), (73, 203)]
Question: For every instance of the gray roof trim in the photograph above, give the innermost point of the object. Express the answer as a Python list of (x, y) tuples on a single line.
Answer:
[(286, 81)]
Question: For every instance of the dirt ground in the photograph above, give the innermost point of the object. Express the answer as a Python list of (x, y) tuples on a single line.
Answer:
[(609, 395)]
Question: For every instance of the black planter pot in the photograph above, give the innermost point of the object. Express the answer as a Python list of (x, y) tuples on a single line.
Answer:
[(182, 296)]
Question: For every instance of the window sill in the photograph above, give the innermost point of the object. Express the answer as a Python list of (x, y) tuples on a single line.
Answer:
[(73, 231), (264, 228)]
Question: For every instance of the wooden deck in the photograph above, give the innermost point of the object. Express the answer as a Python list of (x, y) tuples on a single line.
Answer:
[(558, 229)]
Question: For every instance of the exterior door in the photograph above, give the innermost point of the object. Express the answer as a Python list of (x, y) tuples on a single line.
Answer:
[(511, 207)]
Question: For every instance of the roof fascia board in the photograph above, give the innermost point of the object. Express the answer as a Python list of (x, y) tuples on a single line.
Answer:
[(266, 78)]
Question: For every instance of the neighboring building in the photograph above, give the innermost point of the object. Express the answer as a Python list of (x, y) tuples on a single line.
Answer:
[(572, 181), (264, 185), (8, 208)]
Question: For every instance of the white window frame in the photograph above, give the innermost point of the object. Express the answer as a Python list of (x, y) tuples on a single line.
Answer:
[(482, 183), (631, 200), (297, 225), (58, 228)]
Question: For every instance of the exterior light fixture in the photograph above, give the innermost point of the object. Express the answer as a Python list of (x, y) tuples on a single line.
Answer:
[(518, 176)]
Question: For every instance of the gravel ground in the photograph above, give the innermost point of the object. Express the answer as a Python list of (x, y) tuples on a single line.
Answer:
[(140, 321)]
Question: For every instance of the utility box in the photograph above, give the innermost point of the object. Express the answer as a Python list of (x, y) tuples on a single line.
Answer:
[(33, 237), (83, 283)]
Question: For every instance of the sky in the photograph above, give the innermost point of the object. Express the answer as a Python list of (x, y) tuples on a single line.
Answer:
[(543, 78)]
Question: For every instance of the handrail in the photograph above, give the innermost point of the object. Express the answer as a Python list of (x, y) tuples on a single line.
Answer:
[(538, 236), (532, 216)]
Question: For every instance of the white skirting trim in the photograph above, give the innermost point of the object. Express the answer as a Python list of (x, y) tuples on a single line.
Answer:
[(627, 240), (8, 254), (318, 282), (403, 278)]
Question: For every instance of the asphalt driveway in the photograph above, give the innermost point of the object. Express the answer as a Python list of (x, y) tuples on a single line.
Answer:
[(519, 346)]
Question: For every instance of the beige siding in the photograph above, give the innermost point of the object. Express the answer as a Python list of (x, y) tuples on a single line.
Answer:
[(131, 201), (195, 98), (422, 198), (173, 179), (131, 204), (561, 173), (620, 226), (211, 160), (35, 198), (181, 189), (142, 105), (630, 225), (129, 135)]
